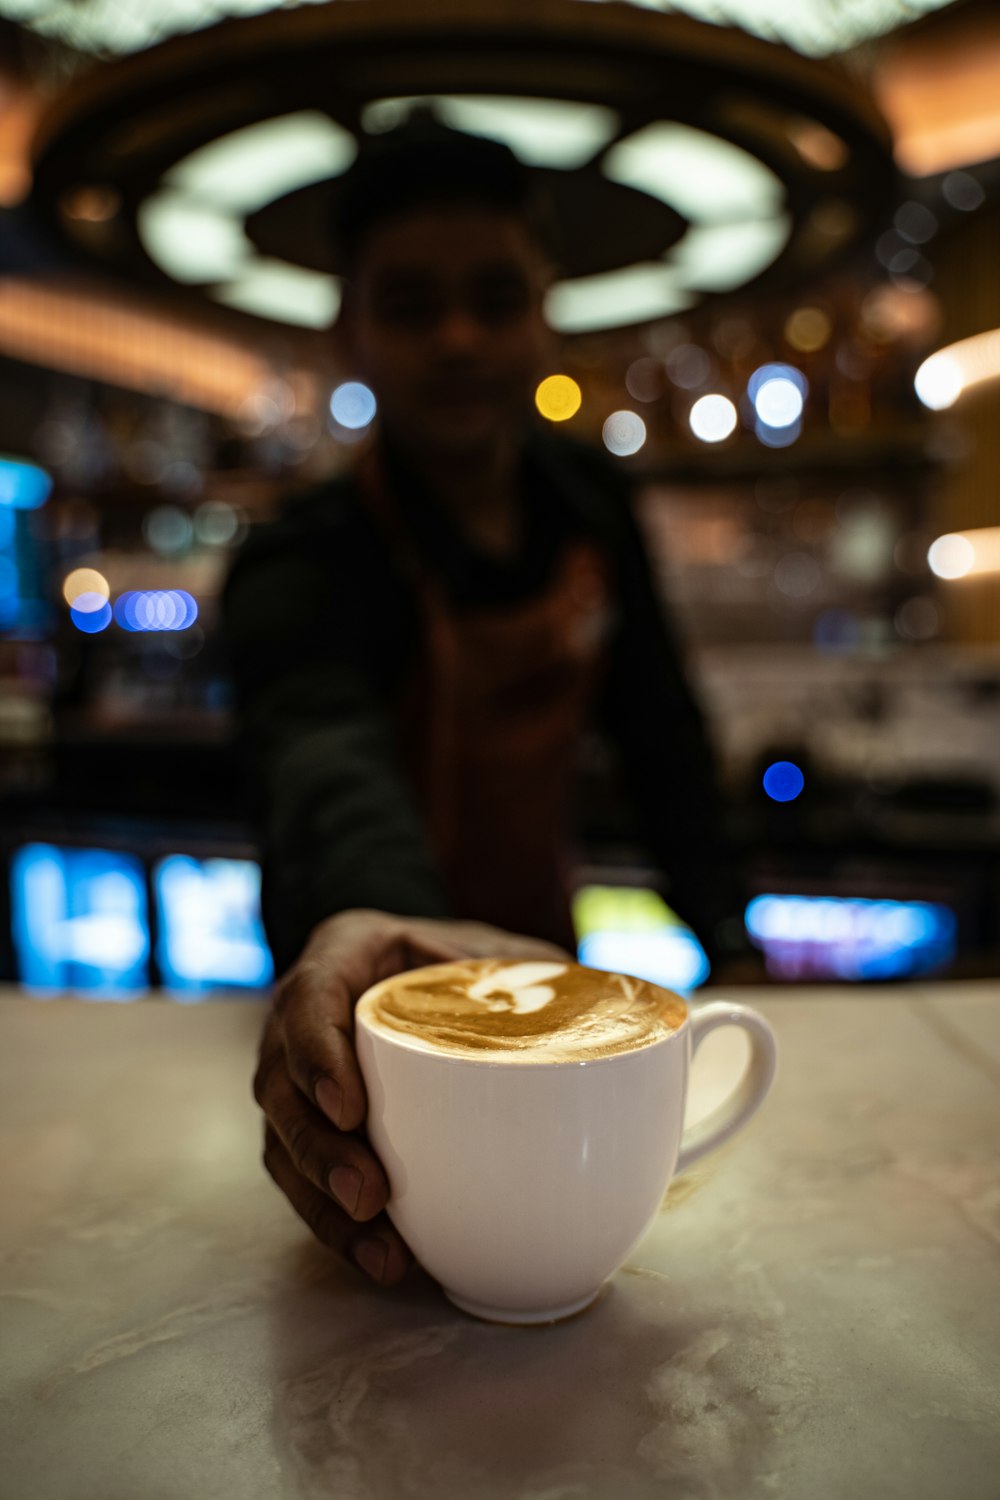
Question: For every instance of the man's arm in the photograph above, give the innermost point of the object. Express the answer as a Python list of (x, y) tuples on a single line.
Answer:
[(338, 825), (310, 1088)]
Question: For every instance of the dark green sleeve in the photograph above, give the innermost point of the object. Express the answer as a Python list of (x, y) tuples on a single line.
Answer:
[(337, 823)]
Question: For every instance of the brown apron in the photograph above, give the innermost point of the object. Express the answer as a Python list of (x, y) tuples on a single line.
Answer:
[(490, 725)]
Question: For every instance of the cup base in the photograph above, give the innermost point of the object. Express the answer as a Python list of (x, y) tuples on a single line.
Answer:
[(511, 1315)]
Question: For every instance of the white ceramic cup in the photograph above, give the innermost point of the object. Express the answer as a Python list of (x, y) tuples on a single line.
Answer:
[(521, 1187)]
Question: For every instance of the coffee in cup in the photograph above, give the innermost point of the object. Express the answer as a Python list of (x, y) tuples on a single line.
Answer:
[(529, 1116), (530, 1012)]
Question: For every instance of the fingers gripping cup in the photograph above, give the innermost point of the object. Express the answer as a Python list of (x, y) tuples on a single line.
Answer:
[(530, 1117)]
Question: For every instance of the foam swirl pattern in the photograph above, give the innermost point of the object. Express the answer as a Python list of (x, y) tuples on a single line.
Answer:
[(522, 1012)]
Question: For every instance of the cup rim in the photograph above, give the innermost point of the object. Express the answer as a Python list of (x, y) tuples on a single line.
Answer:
[(397, 1040)]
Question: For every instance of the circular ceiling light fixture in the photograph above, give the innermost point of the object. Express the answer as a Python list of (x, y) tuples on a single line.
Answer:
[(816, 27), (671, 151)]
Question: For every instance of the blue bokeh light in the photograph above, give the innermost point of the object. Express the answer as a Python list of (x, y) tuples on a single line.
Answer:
[(783, 781), (764, 373), (851, 938), (777, 437), (632, 930), (837, 630), (79, 921), (91, 621), (353, 405), (210, 925), (155, 610), (23, 486), (779, 402), (673, 958)]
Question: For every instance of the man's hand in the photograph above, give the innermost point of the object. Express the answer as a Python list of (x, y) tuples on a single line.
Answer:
[(309, 1085)]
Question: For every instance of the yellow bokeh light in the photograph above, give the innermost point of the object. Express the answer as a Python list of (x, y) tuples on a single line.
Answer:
[(558, 398), (808, 329), (85, 581)]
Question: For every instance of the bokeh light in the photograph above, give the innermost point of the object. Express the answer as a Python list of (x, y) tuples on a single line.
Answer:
[(797, 575), (353, 405), (168, 530), (852, 938), (962, 191), (645, 379), (86, 584), (808, 329), (951, 556), (92, 619), (624, 433), (939, 381), (817, 145), (775, 370), (918, 619), (216, 523), (837, 630), (23, 485), (155, 610), (777, 437), (713, 418), (909, 270), (915, 222), (783, 781), (558, 398), (779, 403), (688, 366)]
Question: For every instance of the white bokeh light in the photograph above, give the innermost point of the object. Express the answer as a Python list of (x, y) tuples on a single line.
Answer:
[(713, 418), (624, 433), (951, 556), (353, 405), (938, 382), (778, 402)]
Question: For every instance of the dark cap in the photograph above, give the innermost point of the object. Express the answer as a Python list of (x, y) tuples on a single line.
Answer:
[(418, 163)]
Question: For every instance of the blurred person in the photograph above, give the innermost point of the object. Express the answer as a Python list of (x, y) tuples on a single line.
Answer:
[(418, 647)]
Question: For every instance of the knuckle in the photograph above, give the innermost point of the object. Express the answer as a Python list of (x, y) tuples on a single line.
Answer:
[(310, 1153)]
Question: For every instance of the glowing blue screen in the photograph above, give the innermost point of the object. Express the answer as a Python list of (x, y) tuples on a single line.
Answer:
[(210, 931), (632, 930), (835, 937), (80, 921)]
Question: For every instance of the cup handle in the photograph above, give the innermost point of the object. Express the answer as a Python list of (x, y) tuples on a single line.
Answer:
[(751, 1091)]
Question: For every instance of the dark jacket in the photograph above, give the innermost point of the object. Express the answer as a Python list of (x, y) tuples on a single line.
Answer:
[(324, 631)]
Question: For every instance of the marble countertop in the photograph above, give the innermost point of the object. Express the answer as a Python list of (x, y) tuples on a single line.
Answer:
[(814, 1315)]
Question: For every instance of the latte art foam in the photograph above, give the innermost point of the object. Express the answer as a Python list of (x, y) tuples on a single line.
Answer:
[(522, 1012)]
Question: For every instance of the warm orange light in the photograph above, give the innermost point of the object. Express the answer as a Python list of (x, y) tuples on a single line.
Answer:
[(558, 398), (85, 581), (19, 110), (947, 374), (940, 91), (963, 554), (107, 336), (807, 329), (817, 146), (94, 204)]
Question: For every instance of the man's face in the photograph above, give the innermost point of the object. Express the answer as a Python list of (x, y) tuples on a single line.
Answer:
[(444, 322)]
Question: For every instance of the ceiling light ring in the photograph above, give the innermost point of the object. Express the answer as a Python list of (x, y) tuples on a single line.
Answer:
[(638, 46)]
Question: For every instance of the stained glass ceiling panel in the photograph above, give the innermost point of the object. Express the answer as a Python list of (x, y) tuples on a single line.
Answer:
[(815, 27)]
